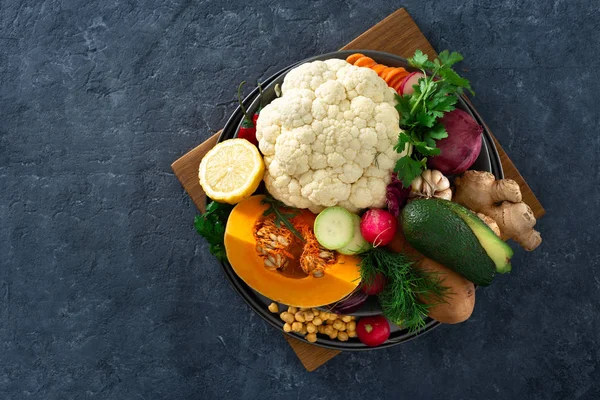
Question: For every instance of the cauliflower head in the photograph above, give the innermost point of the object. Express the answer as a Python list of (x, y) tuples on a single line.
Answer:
[(329, 139)]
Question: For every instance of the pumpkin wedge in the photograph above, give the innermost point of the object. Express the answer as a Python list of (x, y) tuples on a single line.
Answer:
[(338, 281)]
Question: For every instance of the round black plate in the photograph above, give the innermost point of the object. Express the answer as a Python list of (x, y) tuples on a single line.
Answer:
[(488, 160)]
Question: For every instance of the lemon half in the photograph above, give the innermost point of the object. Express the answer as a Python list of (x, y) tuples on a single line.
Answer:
[(231, 171)]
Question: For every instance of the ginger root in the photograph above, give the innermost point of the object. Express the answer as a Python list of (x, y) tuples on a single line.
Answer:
[(431, 183), (502, 201), (493, 225)]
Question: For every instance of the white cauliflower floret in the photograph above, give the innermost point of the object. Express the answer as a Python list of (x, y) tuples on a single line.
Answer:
[(329, 139)]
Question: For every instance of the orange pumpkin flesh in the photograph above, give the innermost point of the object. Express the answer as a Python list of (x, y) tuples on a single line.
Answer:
[(339, 280)]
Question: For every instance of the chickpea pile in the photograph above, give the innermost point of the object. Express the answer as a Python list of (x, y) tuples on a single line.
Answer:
[(310, 321)]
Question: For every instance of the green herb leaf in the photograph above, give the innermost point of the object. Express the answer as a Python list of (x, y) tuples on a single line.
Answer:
[(449, 59), (283, 214), (211, 225), (403, 108), (403, 139), (402, 299), (434, 95), (437, 132), (425, 119), (441, 102), (218, 250), (427, 150), (408, 169), (454, 79), (418, 59)]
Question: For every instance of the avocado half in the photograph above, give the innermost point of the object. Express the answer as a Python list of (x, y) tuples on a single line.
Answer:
[(455, 237)]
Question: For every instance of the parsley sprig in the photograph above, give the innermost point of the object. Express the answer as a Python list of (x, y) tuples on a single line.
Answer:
[(435, 94), (211, 225)]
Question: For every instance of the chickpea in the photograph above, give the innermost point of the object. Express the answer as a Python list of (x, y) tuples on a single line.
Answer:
[(316, 312), (342, 336), (317, 321), (351, 326), (346, 318), (299, 316), (308, 316), (337, 324), (297, 326), (304, 309), (329, 322), (351, 333), (311, 328), (333, 334), (332, 317), (274, 308), (304, 330), (328, 330), (287, 317), (311, 337), (321, 329), (287, 327), (324, 315), (292, 310)]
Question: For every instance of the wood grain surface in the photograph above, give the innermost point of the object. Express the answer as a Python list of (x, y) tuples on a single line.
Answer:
[(397, 34)]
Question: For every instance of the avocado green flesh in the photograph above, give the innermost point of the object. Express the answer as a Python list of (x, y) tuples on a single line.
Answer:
[(496, 248), (439, 233)]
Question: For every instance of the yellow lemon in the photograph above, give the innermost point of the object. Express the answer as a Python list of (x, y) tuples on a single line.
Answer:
[(231, 171)]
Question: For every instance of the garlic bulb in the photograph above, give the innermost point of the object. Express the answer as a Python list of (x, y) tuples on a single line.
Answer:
[(431, 183)]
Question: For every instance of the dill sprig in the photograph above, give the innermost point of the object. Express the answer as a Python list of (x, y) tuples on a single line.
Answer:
[(283, 214), (402, 299)]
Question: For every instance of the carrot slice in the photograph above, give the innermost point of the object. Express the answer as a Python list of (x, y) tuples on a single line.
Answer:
[(378, 68), (392, 74), (385, 73), (397, 79), (353, 57), (365, 62)]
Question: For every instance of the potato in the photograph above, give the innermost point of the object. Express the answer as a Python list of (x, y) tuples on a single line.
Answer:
[(460, 297)]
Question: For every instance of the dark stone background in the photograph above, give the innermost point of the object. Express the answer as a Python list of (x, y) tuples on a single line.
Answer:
[(106, 291)]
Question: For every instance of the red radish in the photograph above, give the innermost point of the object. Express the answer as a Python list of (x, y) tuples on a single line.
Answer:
[(373, 331), (375, 286), (406, 87), (462, 146), (378, 226)]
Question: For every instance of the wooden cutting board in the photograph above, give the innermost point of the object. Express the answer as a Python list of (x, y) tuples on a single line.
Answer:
[(397, 34)]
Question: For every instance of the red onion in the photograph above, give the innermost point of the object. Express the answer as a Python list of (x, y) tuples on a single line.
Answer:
[(462, 146), (350, 303)]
